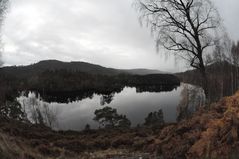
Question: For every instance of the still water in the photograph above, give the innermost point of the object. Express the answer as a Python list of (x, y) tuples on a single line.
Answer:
[(136, 105)]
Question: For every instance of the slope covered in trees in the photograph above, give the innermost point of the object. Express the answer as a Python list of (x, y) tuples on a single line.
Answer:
[(58, 78), (54, 65)]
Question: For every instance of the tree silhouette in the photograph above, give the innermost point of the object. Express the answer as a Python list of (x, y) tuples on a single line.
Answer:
[(108, 117), (187, 28), (12, 109)]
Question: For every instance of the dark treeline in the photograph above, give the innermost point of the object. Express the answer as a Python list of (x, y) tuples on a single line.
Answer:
[(62, 80), (76, 84)]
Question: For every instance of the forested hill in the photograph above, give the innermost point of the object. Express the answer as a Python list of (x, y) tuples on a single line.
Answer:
[(54, 65), (56, 76)]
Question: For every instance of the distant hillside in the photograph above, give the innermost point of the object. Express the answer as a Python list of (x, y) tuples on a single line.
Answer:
[(54, 65)]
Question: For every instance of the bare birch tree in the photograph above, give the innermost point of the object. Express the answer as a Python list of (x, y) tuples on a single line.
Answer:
[(187, 28)]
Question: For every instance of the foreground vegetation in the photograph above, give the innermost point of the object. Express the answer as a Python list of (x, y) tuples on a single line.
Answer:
[(209, 133)]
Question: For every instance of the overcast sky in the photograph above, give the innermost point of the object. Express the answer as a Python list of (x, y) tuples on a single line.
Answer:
[(105, 32)]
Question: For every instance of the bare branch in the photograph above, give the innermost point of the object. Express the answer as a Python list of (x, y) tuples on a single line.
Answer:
[(183, 26)]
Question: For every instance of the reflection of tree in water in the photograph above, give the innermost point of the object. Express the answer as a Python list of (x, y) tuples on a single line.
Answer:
[(66, 97), (38, 111), (106, 99), (106, 95), (155, 88), (192, 98), (71, 96)]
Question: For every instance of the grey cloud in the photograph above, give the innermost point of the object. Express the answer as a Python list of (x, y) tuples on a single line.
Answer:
[(105, 32)]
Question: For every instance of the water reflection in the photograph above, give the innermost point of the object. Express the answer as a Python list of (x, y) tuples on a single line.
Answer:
[(155, 88), (71, 96), (106, 99), (133, 103), (107, 96), (192, 98), (38, 111)]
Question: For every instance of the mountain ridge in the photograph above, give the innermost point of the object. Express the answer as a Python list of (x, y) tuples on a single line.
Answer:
[(76, 66)]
